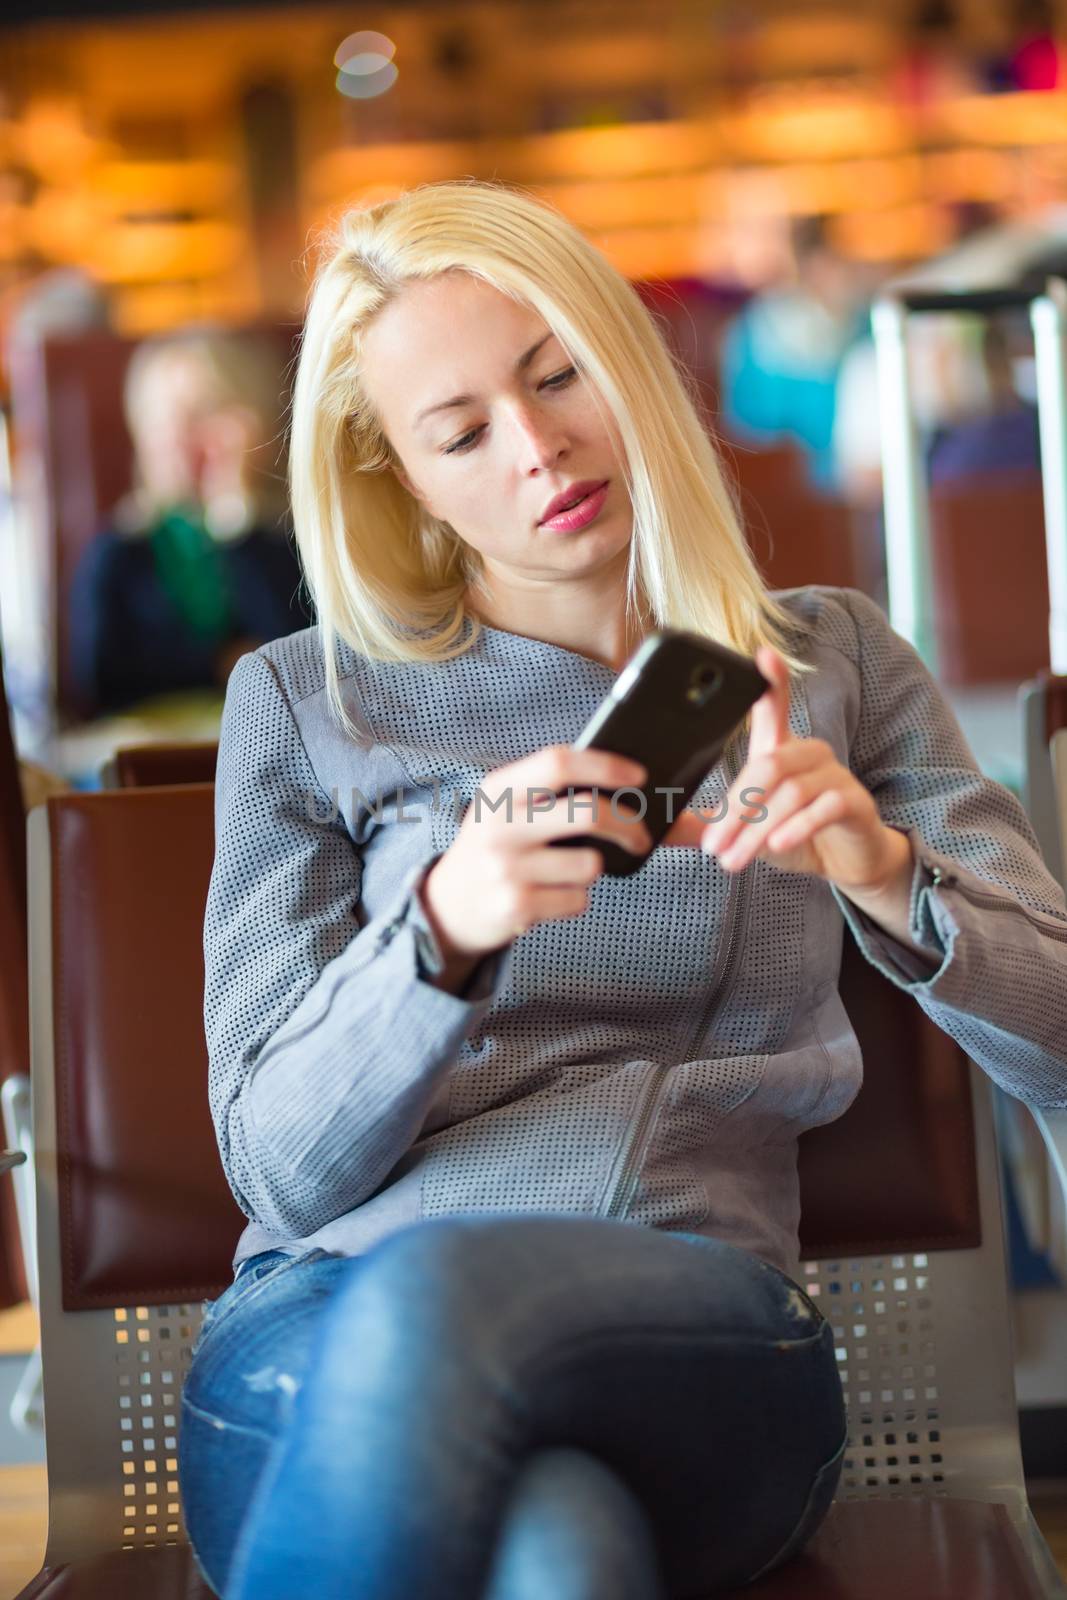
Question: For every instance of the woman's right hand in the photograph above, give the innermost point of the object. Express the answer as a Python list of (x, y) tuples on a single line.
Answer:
[(500, 875)]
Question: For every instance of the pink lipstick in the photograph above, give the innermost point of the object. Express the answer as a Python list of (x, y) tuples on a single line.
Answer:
[(579, 515)]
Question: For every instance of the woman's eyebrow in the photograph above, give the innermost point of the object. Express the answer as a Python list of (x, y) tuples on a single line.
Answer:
[(465, 399)]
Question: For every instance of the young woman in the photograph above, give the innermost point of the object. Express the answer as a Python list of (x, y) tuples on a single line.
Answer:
[(514, 1314)]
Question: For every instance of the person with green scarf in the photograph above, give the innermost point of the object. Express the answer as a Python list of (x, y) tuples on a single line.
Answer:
[(197, 566)]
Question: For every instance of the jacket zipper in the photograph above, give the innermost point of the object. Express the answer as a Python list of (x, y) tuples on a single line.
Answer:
[(994, 902), (623, 1189)]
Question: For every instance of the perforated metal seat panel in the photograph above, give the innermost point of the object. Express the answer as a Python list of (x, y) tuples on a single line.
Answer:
[(153, 1346), (931, 1407), (881, 1311)]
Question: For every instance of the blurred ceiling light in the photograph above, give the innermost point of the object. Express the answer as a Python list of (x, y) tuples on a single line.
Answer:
[(366, 83), (365, 65), (362, 44)]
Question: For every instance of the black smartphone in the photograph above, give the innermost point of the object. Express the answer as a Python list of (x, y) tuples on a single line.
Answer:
[(673, 707)]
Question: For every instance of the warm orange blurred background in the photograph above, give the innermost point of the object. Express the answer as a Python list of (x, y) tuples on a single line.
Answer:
[(162, 168), (188, 159)]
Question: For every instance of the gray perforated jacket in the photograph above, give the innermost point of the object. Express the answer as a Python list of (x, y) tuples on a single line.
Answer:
[(654, 1059)]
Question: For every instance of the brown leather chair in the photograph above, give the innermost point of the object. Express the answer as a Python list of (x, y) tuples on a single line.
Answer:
[(66, 397), (796, 535), (692, 318), (902, 1238), (990, 578), (141, 766), (136, 1224), (1043, 702), (14, 998), (1044, 708)]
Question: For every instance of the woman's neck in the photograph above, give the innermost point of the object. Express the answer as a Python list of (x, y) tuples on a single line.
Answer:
[(600, 630)]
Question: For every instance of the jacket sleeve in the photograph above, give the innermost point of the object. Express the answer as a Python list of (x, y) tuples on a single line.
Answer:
[(325, 1042), (982, 900)]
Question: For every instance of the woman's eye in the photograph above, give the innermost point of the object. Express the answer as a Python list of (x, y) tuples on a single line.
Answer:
[(460, 446), (557, 380)]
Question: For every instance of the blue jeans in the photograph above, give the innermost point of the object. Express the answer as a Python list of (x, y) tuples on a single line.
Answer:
[(508, 1408)]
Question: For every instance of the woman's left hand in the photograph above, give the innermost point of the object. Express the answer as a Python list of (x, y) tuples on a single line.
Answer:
[(808, 812)]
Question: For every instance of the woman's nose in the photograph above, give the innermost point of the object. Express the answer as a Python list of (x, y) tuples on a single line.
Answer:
[(542, 439)]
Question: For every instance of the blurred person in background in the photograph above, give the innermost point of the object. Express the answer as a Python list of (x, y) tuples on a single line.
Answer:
[(952, 376), (947, 381), (781, 355), (970, 415), (998, 431), (197, 566)]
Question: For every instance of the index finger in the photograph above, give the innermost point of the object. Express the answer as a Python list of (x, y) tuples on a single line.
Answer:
[(770, 714)]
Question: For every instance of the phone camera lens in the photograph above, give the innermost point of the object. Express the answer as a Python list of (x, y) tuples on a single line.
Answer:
[(703, 682)]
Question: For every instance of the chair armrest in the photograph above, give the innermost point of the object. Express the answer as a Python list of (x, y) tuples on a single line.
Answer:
[(17, 1129), (1053, 1129), (11, 1158)]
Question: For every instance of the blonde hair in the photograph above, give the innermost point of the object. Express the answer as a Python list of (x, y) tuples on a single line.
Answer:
[(389, 578)]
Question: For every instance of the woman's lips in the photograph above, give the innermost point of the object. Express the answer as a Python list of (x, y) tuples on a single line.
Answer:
[(580, 515)]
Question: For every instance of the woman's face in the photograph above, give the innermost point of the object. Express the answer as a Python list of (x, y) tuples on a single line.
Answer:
[(492, 423)]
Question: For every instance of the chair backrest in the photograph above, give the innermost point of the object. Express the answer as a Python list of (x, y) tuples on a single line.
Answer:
[(136, 1224), (902, 1234), (1044, 710), (142, 766), (796, 535), (987, 547), (692, 316), (14, 991), (66, 394), (1057, 750)]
